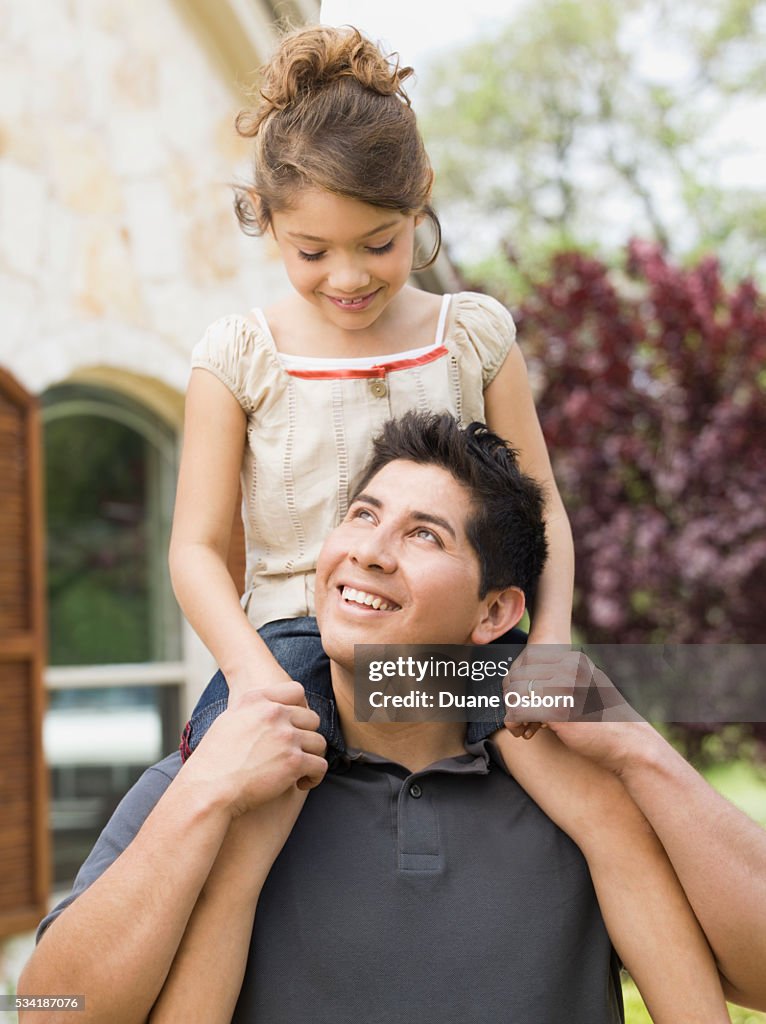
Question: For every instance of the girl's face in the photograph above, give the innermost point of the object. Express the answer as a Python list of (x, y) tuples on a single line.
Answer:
[(347, 258)]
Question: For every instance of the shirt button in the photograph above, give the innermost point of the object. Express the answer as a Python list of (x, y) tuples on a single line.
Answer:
[(416, 791), (378, 388)]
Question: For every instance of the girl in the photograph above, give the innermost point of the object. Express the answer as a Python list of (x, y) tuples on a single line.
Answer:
[(286, 402)]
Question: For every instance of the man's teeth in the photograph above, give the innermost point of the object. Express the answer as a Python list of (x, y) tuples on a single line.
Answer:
[(372, 600)]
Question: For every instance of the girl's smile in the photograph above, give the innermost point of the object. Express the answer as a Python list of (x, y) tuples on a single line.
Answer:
[(355, 305)]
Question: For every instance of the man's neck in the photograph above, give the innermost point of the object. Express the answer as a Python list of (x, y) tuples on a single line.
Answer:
[(415, 745)]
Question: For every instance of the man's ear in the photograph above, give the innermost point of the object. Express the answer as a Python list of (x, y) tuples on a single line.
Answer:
[(502, 610)]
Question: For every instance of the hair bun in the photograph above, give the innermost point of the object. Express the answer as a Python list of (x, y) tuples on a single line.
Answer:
[(314, 58)]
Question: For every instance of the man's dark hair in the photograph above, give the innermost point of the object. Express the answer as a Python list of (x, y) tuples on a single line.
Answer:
[(506, 528)]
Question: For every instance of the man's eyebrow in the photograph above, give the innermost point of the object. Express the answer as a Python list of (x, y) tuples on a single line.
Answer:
[(314, 238), (368, 500)]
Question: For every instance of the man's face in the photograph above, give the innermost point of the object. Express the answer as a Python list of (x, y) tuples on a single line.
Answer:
[(400, 569)]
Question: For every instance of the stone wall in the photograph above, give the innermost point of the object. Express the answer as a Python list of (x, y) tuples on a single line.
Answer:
[(118, 243)]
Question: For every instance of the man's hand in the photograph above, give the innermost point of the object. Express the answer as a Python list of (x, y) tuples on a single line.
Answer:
[(262, 745), (598, 723)]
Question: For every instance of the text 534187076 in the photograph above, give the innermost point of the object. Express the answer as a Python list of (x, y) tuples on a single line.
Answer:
[(46, 1002)]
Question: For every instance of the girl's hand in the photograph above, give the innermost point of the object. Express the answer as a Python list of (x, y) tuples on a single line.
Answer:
[(525, 671), (595, 724)]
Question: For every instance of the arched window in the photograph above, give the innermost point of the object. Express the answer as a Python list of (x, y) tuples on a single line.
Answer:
[(114, 628)]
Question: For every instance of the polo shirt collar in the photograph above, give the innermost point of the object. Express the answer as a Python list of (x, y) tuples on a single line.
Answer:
[(476, 760)]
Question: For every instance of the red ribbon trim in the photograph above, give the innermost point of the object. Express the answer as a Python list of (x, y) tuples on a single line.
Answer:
[(372, 371)]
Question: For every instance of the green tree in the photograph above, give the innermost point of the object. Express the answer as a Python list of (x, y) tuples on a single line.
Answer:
[(585, 123)]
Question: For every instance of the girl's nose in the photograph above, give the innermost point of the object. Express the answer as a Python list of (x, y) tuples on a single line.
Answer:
[(348, 277)]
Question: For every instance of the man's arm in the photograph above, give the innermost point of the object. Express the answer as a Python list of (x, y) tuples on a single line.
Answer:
[(646, 913), (117, 942), (206, 976), (718, 853)]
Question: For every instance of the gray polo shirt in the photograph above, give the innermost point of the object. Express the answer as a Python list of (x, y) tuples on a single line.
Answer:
[(431, 897)]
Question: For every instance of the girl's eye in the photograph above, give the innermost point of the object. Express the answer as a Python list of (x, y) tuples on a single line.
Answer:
[(378, 250), (310, 257)]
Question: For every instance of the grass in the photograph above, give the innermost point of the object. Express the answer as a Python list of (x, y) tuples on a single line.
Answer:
[(745, 785), (636, 1012), (742, 783)]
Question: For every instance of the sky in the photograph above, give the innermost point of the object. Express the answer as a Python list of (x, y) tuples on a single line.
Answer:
[(419, 31), (419, 34)]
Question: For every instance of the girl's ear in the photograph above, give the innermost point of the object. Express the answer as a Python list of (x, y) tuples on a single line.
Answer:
[(502, 610)]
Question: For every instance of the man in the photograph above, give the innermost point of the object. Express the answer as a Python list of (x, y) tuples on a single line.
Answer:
[(419, 882)]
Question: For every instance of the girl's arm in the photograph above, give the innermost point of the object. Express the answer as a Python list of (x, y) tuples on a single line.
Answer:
[(646, 912), (208, 487), (510, 413)]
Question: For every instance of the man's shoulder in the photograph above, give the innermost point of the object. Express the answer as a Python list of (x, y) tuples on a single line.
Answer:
[(130, 814), (169, 766), (139, 801)]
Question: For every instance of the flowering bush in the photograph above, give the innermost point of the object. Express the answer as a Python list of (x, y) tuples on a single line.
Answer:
[(652, 396)]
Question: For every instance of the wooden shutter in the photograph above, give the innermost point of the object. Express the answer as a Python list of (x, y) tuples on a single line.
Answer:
[(24, 854)]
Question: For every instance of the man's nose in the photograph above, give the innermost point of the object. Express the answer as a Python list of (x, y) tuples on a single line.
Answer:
[(348, 276), (374, 550)]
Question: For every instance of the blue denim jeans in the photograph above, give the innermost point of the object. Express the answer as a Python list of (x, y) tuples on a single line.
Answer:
[(297, 646)]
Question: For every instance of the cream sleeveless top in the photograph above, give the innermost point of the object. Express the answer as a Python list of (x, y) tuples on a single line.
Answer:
[(310, 424)]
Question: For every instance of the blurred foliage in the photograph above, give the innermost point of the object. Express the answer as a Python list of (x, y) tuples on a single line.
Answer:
[(97, 539), (651, 391), (582, 124)]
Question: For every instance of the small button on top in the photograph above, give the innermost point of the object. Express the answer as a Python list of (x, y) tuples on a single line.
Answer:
[(378, 387), (415, 790)]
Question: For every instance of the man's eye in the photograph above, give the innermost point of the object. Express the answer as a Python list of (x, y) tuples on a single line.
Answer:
[(310, 257), (363, 513), (427, 534), (378, 250)]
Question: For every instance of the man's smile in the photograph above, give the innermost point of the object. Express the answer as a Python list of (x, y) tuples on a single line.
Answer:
[(368, 599)]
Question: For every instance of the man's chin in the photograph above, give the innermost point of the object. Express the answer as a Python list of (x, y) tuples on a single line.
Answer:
[(340, 652)]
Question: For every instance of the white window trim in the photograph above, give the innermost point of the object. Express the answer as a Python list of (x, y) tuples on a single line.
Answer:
[(87, 677)]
